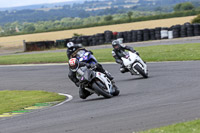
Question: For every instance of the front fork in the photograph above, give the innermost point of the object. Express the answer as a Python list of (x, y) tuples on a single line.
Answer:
[(139, 62)]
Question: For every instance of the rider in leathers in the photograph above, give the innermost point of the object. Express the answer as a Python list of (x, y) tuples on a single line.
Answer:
[(117, 53), (74, 64), (71, 53), (71, 48)]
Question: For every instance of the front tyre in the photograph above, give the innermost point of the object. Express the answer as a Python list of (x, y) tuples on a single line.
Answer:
[(141, 71), (116, 92), (101, 89)]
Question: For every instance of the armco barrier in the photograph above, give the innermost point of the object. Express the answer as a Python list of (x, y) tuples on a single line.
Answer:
[(41, 45), (176, 31)]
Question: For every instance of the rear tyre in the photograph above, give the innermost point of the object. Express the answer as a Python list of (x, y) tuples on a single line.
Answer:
[(101, 89), (141, 71)]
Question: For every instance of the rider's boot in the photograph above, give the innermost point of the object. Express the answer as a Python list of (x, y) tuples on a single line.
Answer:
[(83, 93), (123, 69)]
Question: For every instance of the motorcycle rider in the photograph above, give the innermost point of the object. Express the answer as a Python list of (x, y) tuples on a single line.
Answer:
[(74, 64), (117, 53), (72, 48)]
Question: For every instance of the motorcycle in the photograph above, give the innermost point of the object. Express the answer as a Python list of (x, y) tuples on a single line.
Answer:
[(96, 82), (134, 64), (85, 56)]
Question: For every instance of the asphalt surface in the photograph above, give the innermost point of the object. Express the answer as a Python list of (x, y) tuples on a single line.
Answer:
[(169, 95)]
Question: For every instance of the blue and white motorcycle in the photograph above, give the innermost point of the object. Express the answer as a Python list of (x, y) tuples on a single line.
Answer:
[(85, 56)]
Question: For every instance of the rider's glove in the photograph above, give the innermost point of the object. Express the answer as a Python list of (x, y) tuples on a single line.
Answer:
[(94, 66), (137, 53), (80, 45), (91, 52), (88, 65), (134, 51), (91, 66)]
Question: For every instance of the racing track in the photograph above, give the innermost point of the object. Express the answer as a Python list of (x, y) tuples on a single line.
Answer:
[(170, 95)]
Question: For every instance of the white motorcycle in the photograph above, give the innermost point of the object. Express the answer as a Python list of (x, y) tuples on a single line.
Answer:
[(135, 64), (96, 82)]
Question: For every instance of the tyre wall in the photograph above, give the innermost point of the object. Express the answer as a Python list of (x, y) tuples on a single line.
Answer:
[(158, 33)]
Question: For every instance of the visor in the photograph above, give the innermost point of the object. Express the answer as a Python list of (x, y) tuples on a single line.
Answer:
[(116, 46)]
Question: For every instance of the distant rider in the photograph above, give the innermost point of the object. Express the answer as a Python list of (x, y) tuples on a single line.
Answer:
[(71, 48), (117, 53)]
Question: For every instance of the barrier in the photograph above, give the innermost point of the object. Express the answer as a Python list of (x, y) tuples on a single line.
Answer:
[(176, 31)]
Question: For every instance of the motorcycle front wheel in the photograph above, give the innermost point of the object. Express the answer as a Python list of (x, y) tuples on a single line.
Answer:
[(141, 71), (101, 89), (116, 92)]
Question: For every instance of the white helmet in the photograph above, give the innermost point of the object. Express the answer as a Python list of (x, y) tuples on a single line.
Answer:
[(70, 44)]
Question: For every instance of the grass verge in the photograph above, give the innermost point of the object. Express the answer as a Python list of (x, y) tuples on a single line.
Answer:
[(178, 52), (16, 100), (186, 127)]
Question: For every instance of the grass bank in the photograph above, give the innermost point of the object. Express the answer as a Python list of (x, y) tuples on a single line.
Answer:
[(16, 100), (186, 127), (178, 52)]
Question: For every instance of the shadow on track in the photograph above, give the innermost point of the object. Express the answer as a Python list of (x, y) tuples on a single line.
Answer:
[(131, 79), (91, 99), (95, 99)]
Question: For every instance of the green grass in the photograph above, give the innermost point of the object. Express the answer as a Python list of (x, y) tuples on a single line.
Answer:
[(178, 52), (16, 100), (34, 58), (186, 127)]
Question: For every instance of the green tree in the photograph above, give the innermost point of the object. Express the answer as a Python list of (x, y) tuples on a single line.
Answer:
[(196, 20), (129, 14), (183, 6), (28, 27), (108, 18)]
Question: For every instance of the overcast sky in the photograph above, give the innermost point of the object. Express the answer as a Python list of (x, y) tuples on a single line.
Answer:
[(14, 3)]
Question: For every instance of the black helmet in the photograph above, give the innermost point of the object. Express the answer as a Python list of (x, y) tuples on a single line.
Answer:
[(116, 44), (73, 64)]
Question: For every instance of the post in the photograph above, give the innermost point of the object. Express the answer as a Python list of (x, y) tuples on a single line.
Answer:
[(24, 44)]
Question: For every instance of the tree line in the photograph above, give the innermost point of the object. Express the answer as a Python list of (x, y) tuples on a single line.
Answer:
[(67, 23), (180, 10)]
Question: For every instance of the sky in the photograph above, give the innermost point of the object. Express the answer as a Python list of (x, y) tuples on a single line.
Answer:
[(15, 3)]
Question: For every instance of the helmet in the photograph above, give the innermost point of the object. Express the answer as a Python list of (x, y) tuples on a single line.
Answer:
[(70, 44), (73, 64), (116, 44)]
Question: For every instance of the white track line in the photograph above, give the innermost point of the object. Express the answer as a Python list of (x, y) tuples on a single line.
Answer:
[(26, 65), (67, 100)]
